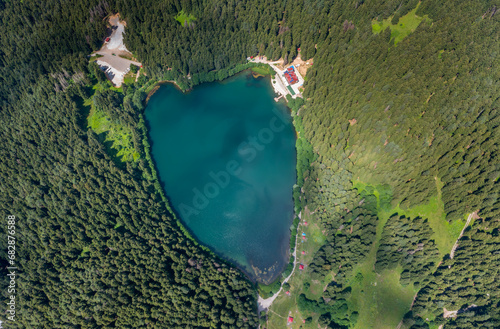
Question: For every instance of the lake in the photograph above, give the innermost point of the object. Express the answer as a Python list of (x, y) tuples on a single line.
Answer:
[(225, 153)]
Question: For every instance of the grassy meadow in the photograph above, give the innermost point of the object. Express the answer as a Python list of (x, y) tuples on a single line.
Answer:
[(405, 26), (184, 18)]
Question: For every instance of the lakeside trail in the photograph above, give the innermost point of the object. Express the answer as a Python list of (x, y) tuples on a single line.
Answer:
[(264, 304), (278, 83), (279, 87)]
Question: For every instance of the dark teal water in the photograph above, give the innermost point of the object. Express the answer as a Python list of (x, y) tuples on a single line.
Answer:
[(225, 153)]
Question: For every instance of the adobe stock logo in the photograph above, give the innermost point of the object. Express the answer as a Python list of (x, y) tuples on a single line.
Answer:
[(248, 150)]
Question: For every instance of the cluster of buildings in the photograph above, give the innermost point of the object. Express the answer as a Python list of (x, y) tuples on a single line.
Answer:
[(291, 76)]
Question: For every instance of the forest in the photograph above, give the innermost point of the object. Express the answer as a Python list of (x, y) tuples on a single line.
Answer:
[(394, 117)]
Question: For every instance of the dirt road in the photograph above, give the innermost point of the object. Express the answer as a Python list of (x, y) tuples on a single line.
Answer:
[(264, 304), (455, 246)]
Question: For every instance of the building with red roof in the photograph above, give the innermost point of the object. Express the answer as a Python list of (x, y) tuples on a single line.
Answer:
[(290, 319), (290, 75), (301, 267)]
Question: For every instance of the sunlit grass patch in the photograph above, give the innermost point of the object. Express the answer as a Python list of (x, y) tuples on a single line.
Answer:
[(95, 57), (300, 283), (405, 26), (380, 298), (129, 78), (120, 137), (184, 18), (263, 70)]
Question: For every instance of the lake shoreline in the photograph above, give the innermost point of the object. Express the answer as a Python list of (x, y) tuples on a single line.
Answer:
[(157, 86), (247, 66), (244, 268)]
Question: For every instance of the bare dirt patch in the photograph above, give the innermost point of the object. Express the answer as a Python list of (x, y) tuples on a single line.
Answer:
[(115, 59), (449, 314), (301, 65)]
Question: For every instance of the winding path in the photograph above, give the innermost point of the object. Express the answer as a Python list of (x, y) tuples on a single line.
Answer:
[(264, 304), (455, 246), (452, 253)]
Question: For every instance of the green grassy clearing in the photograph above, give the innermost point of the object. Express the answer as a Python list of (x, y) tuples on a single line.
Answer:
[(264, 70), (445, 234), (97, 86), (286, 305), (405, 26), (119, 136), (95, 57), (106, 85), (118, 89), (379, 297), (85, 250), (184, 18), (129, 78), (87, 102), (129, 57)]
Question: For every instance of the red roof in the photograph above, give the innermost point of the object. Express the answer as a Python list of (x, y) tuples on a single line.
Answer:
[(303, 252), (291, 77), (301, 267), (290, 319), (288, 292), (107, 39)]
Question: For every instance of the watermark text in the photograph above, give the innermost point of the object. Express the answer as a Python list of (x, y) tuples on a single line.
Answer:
[(12, 268)]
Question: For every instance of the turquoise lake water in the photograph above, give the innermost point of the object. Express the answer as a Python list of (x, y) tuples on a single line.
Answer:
[(226, 157)]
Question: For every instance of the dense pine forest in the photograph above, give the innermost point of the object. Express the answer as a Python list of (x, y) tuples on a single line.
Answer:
[(393, 120)]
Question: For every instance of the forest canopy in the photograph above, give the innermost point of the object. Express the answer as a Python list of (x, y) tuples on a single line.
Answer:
[(410, 112)]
